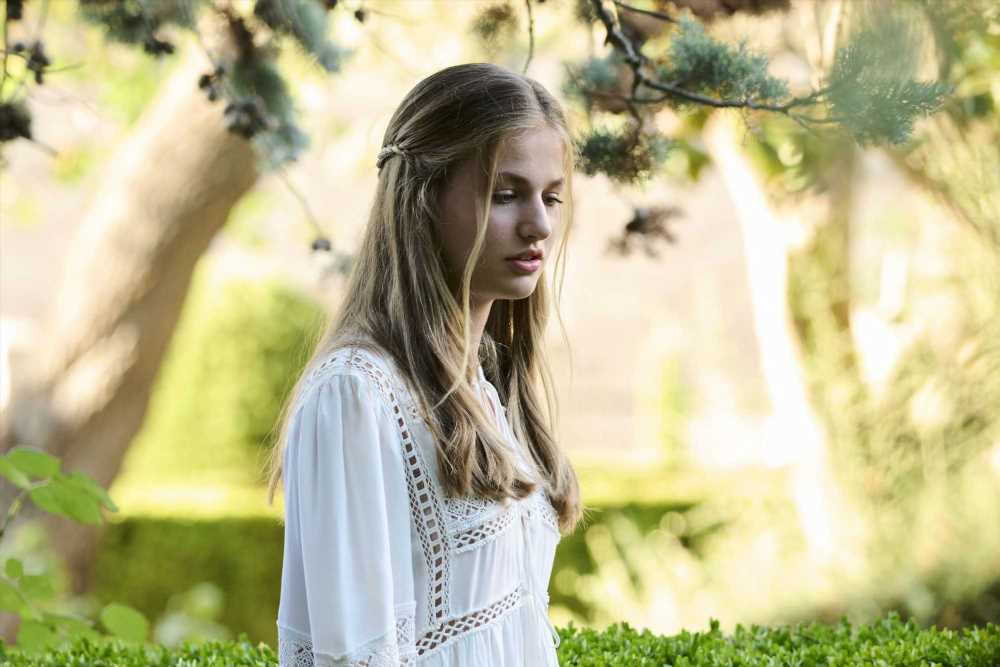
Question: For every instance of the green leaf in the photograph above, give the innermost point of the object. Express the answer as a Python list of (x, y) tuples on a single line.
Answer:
[(125, 622), (15, 476), (73, 625), (36, 636), (32, 461), (65, 499), (38, 586), (91, 487), (11, 598), (14, 568)]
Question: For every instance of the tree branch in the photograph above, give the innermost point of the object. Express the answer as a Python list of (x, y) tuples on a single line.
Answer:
[(647, 12), (634, 57), (13, 509), (3, 65)]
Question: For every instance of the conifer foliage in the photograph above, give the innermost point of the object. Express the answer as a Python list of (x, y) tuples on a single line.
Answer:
[(660, 58), (255, 100), (657, 54)]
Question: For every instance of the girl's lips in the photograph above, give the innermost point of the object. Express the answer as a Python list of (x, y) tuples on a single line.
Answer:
[(525, 265)]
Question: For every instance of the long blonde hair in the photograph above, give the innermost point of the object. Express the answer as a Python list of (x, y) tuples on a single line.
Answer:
[(398, 293)]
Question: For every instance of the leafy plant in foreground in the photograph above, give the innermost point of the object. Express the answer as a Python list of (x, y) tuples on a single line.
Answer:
[(74, 496)]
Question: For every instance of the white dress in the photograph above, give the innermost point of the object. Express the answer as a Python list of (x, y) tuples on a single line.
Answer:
[(380, 568)]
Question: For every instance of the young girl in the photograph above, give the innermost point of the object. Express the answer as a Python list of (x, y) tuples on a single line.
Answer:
[(425, 493)]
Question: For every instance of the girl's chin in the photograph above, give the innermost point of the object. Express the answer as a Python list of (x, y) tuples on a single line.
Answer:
[(509, 292), (521, 293)]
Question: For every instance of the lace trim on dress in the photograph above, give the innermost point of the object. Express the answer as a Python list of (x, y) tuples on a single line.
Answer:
[(482, 534), (396, 648), (326, 367), (464, 512), (425, 508), (451, 631), (543, 507), (294, 648)]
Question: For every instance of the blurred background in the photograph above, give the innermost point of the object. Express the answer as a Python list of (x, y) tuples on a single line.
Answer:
[(783, 406)]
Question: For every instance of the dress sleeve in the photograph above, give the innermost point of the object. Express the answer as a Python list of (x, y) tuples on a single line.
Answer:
[(347, 533)]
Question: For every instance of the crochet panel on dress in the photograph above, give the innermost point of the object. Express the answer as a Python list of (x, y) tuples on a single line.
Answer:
[(396, 648), (482, 534), (436, 639), (463, 512), (425, 504), (540, 505), (467, 512)]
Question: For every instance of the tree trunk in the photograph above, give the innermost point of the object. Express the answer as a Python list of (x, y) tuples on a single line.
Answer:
[(794, 423), (820, 290), (168, 190)]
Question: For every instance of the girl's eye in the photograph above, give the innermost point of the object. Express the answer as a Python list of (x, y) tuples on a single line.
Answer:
[(507, 197)]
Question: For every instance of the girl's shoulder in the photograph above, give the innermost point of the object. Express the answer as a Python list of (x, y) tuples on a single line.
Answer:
[(364, 360)]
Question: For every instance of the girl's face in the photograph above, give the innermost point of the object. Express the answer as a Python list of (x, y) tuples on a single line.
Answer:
[(524, 216)]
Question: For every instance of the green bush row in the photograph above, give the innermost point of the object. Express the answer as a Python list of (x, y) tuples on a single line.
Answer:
[(237, 349), (886, 643), (145, 561)]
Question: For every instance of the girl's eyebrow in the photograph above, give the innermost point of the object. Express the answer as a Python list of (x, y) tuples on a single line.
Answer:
[(521, 179)]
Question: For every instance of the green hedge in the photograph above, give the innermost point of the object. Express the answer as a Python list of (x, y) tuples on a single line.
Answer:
[(885, 643), (238, 347), (143, 561)]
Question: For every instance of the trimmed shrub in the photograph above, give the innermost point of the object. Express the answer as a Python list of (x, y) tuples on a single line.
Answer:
[(886, 643), (238, 347), (143, 561)]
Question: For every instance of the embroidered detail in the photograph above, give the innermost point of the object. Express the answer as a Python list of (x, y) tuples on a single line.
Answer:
[(482, 534), (547, 512), (341, 359), (396, 648), (425, 506), (327, 367), (294, 648), (406, 627), (380, 652), (537, 505), (463, 512), (450, 631)]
